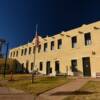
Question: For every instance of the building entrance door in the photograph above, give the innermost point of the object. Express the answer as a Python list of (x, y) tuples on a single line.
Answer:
[(57, 69), (86, 66), (48, 68), (74, 65)]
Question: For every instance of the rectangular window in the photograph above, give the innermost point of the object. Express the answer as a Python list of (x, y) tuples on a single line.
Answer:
[(16, 53), (29, 50), (25, 51), (45, 47), (74, 42), (52, 45), (41, 66), (59, 43), (39, 48), (22, 52), (87, 38)]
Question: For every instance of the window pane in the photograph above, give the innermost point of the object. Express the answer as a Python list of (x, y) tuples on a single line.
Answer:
[(25, 52), (52, 45), (41, 65), (87, 37), (22, 52), (45, 47), (59, 43), (16, 53), (74, 42), (29, 50)]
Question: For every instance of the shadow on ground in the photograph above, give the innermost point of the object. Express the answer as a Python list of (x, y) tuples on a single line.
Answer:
[(74, 93)]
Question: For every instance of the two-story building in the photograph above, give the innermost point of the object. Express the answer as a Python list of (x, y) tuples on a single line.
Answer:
[(75, 52)]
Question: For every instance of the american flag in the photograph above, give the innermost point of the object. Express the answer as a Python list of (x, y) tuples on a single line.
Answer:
[(36, 38)]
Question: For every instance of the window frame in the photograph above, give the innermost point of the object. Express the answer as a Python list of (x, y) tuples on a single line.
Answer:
[(25, 51), (59, 43), (30, 50), (22, 51), (52, 45), (74, 41), (87, 39), (45, 47), (17, 53), (41, 66)]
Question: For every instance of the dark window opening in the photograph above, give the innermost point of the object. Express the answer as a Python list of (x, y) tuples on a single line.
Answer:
[(25, 52), (59, 43), (45, 47), (41, 66), (52, 45), (74, 42), (16, 53), (87, 37), (29, 50), (22, 52)]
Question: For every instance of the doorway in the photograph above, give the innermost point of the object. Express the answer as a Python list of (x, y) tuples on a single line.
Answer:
[(86, 66), (47, 67), (57, 67), (74, 65)]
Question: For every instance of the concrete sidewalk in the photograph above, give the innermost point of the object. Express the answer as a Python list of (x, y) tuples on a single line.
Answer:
[(13, 94), (61, 92)]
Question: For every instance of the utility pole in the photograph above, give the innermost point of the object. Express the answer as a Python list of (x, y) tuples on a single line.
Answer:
[(5, 65)]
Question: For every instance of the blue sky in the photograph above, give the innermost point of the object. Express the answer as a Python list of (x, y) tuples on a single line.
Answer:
[(19, 17)]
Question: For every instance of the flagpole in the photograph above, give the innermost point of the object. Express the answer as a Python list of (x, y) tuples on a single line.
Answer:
[(33, 73), (35, 47)]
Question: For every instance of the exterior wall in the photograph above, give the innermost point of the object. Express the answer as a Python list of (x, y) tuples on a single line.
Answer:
[(66, 53)]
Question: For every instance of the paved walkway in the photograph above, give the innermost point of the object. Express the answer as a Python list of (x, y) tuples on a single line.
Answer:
[(13, 94), (61, 92)]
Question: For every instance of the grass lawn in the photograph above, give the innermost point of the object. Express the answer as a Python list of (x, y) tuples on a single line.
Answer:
[(41, 84), (91, 91)]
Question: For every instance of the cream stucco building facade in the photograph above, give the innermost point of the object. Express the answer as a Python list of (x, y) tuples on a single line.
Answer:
[(76, 52)]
